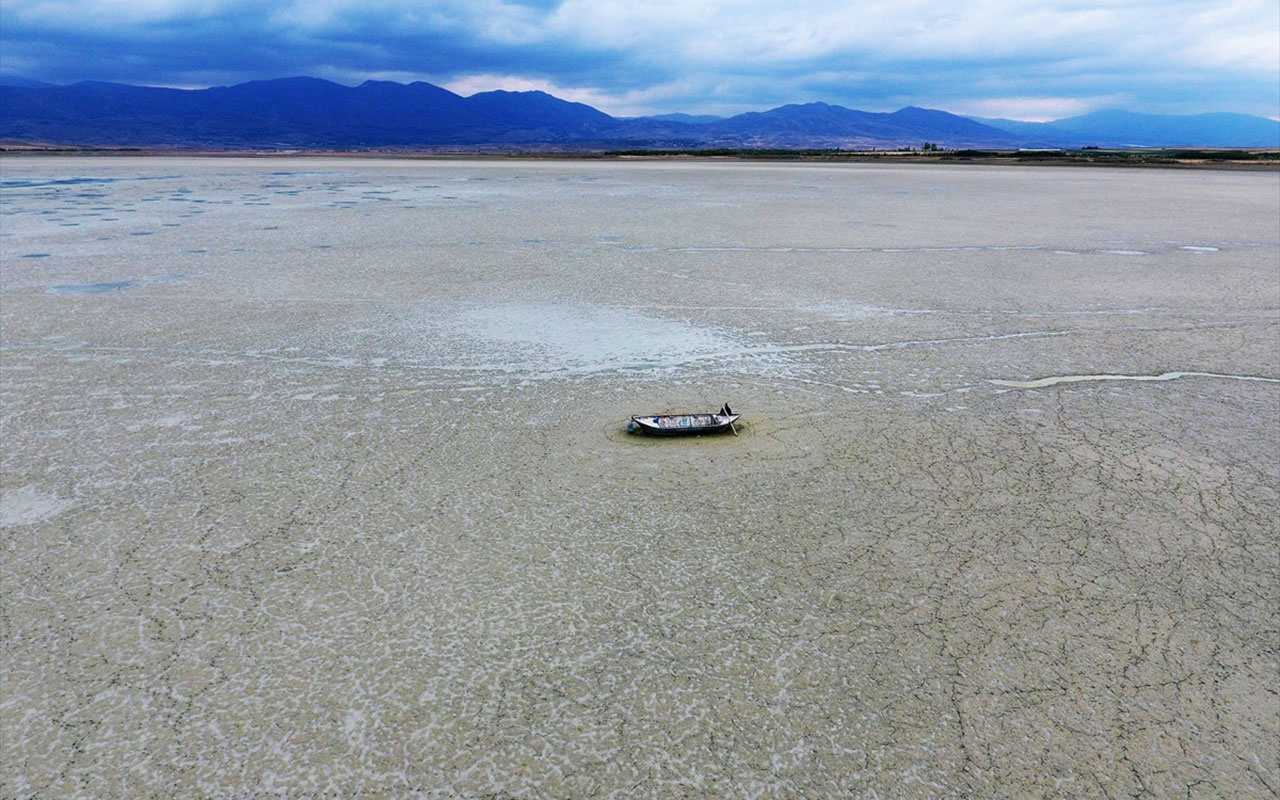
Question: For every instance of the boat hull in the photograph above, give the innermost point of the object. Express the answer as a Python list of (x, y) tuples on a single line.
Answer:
[(681, 424)]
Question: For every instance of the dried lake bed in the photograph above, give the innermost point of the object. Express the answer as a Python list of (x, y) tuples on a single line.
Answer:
[(315, 480)]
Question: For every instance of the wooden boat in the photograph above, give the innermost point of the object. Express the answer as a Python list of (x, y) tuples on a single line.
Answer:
[(684, 424)]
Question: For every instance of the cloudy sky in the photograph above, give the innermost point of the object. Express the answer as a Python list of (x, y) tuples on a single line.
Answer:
[(1012, 58)]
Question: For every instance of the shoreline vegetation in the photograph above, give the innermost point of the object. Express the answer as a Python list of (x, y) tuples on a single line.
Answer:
[(1219, 158)]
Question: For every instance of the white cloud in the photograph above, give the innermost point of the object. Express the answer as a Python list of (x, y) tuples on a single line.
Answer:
[(811, 29), (1254, 46), (1034, 109)]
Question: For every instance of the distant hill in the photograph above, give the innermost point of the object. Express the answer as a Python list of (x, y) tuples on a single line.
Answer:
[(691, 119), (539, 117), (285, 113), (309, 113), (828, 126), (1130, 129)]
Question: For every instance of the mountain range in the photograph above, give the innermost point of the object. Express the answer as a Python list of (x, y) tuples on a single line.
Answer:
[(309, 113)]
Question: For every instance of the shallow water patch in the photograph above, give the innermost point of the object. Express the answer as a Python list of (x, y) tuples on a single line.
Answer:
[(108, 287), (104, 287)]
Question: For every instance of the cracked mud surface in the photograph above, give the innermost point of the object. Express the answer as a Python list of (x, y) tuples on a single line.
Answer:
[(315, 480)]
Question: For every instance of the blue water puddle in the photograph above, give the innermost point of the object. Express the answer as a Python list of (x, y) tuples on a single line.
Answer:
[(31, 183), (109, 287), (40, 183), (94, 288)]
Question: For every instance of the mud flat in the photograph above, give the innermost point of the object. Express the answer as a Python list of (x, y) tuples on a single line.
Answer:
[(315, 480)]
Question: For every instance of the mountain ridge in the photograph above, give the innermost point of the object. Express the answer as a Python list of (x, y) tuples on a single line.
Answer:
[(312, 113), (1118, 127)]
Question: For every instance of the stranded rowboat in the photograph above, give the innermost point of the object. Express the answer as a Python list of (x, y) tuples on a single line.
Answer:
[(684, 424)]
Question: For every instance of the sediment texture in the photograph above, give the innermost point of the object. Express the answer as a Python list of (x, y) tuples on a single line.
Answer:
[(315, 480)]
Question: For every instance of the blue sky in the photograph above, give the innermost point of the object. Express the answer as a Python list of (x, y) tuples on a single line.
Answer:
[(1024, 60)]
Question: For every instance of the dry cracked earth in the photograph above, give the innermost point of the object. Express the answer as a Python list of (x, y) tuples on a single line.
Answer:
[(316, 481)]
